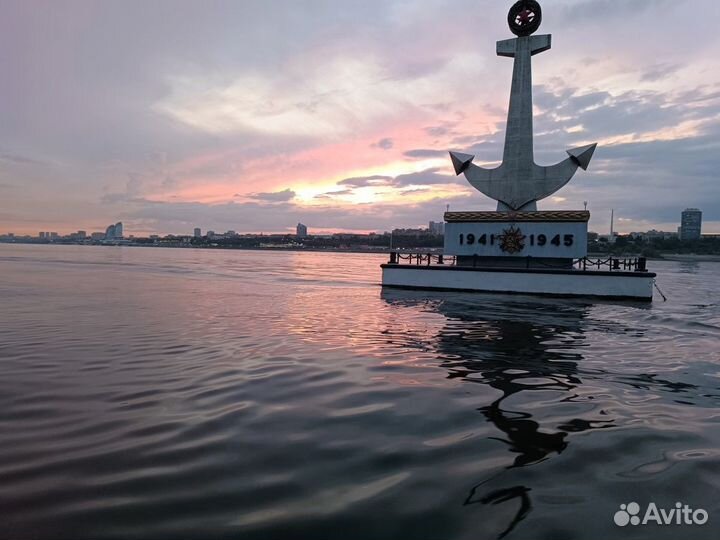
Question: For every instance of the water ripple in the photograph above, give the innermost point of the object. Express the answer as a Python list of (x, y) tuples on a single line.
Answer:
[(154, 393)]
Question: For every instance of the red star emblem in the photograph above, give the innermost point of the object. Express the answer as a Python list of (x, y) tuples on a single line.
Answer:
[(525, 16)]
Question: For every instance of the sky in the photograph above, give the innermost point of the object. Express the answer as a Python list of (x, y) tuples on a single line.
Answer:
[(254, 115)]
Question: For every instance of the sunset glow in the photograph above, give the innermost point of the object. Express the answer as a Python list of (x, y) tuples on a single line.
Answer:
[(230, 128)]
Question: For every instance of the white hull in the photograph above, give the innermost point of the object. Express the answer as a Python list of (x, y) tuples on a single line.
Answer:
[(577, 283)]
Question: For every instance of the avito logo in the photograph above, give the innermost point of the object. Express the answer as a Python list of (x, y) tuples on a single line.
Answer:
[(629, 514)]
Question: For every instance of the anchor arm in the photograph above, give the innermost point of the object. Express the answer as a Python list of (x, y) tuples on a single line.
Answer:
[(548, 180), (542, 182), (487, 181)]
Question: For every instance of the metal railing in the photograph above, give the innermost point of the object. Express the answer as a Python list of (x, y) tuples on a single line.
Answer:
[(637, 264), (422, 259), (611, 264)]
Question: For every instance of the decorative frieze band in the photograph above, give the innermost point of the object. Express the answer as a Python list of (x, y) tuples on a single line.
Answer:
[(518, 217)]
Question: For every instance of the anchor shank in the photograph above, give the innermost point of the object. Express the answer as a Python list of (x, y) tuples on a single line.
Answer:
[(518, 152)]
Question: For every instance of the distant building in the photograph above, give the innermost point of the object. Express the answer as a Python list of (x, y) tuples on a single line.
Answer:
[(230, 234), (691, 224), (97, 236), (114, 231), (301, 231), (415, 233), (653, 235), (197, 233), (82, 235), (436, 228), (612, 237), (41, 236), (54, 236), (609, 238), (210, 235)]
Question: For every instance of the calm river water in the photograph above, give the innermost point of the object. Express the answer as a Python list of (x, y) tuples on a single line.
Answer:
[(177, 393)]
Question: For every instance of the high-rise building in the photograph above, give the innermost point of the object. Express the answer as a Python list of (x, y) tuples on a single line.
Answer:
[(691, 224), (301, 231), (54, 236), (437, 228), (211, 235), (197, 233), (82, 235), (41, 235), (114, 231)]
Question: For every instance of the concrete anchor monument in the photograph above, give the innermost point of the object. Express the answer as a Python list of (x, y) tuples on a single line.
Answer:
[(517, 248)]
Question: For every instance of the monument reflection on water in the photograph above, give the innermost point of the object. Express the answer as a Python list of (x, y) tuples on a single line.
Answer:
[(531, 346)]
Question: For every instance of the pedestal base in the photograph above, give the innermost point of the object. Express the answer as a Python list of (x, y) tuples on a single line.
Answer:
[(561, 283), (541, 235)]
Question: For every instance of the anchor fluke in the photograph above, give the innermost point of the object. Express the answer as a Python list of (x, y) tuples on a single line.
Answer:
[(582, 155), (461, 161)]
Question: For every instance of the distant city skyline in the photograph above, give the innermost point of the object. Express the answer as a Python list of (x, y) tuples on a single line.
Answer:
[(689, 227), (266, 115)]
